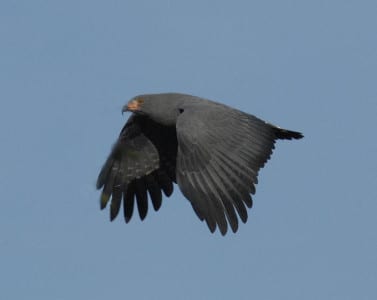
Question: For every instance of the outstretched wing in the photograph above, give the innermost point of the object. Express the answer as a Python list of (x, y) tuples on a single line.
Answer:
[(141, 162), (220, 151)]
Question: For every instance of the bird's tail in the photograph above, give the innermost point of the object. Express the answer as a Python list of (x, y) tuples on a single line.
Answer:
[(285, 134)]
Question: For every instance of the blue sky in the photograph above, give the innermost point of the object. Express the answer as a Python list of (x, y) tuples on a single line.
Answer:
[(67, 67)]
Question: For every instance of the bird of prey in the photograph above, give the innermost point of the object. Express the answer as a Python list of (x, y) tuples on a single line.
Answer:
[(211, 151)]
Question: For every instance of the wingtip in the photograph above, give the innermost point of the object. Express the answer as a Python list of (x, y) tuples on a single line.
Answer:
[(104, 200), (223, 230), (233, 224), (113, 212), (142, 216), (99, 184)]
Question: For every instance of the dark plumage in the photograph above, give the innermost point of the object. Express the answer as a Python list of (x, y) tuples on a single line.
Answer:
[(213, 152)]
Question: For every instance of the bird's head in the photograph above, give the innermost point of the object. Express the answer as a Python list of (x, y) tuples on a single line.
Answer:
[(162, 108)]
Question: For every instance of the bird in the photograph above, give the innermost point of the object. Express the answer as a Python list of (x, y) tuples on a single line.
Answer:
[(213, 152)]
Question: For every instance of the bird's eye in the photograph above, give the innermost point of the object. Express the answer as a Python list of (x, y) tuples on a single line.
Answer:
[(180, 110)]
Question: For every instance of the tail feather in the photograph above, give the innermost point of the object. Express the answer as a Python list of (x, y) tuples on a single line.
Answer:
[(285, 134)]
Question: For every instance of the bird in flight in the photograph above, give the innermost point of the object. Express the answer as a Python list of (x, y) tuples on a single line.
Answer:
[(211, 151)]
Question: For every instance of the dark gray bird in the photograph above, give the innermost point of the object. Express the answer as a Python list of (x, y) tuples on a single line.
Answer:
[(212, 151)]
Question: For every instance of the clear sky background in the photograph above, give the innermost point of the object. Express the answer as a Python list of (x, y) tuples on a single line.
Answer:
[(67, 68)]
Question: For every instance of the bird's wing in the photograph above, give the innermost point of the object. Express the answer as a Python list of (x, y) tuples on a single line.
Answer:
[(141, 162), (220, 151)]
